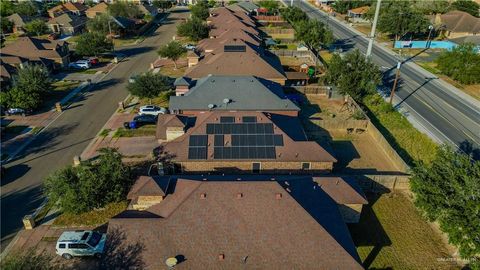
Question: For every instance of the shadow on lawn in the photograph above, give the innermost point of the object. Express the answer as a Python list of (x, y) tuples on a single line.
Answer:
[(369, 232)]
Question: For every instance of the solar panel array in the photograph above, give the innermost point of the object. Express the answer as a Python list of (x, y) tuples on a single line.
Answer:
[(249, 140), (240, 128)]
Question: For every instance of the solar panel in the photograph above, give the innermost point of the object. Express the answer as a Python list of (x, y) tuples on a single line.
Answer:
[(218, 140), (249, 119), (244, 153), (198, 140), (197, 153), (234, 48), (227, 119)]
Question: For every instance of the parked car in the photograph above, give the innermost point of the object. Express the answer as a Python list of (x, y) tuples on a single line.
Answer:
[(189, 47), (141, 120), (80, 243), (80, 64), (17, 111), (132, 78), (93, 61), (152, 110)]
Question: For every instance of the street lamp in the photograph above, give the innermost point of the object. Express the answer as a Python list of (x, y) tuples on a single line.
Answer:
[(430, 28), (392, 93)]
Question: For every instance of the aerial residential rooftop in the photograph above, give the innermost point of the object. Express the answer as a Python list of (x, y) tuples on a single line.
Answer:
[(231, 224), (244, 93)]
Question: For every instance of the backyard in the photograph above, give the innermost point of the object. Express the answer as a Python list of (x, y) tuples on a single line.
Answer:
[(392, 234)]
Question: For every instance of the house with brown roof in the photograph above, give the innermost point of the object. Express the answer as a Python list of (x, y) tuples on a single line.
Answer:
[(357, 14), (51, 53), (19, 22), (67, 24), (232, 223), (73, 8), (100, 8), (457, 24), (230, 141)]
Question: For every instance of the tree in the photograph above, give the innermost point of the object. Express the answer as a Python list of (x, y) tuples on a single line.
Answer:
[(432, 7), (398, 18), (30, 260), (467, 6), (162, 4), (36, 27), (313, 33), (462, 64), (90, 185), (172, 51), (448, 191), (200, 10), (27, 8), (124, 9), (6, 8), (270, 5), (93, 43), (30, 86), (193, 28), (102, 24), (342, 6), (232, 2), (149, 85), (7, 25), (293, 15), (353, 75)]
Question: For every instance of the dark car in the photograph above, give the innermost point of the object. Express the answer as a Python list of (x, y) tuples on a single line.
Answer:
[(141, 120)]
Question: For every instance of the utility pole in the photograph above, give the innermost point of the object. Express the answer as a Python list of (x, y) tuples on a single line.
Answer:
[(374, 27), (291, 3), (392, 93)]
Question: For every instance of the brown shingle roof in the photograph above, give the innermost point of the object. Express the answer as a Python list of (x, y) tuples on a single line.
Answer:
[(99, 8), (360, 10), (459, 21), (256, 229), (292, 150), (70, 6), (341, 190), (168, 120), (34, 48), (148, 186)]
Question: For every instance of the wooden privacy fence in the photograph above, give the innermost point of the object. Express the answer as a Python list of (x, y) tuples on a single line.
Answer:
[(269, 18), (277, 31)]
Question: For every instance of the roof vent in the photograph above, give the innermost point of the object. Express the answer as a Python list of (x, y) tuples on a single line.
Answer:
[(239, 195), (337, 182), (226, 100), (296, 154), (278, 196), (221, 256), (203, 196)]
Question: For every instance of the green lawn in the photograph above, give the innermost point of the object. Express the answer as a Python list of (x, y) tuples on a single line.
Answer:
[(92, 218), (147, 130), (392, 234), (409, 143), (64, 85)]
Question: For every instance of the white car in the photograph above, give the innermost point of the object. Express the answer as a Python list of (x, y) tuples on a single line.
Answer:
[(80, 64), (152, 110), (189, 47)]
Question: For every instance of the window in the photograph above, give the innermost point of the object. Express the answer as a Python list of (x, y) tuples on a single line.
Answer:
[(305, 166), (94, 239), (256, 166), (61, 245), (77, 246)]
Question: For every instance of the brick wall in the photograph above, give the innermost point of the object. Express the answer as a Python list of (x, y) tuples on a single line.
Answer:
[(246, 167)]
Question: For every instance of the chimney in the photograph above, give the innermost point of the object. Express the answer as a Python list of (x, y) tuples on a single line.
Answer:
[(278, 196), (203, 196)]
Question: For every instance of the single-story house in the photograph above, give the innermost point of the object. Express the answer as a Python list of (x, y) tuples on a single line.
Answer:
[(73, 8), (19, 22), (456, 24), (67, 24), (100, 8), (51, 53), (234, 223), (357, 14)]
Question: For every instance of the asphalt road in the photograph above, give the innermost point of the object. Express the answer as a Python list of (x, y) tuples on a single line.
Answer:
[(71, 132), (435, 107)]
